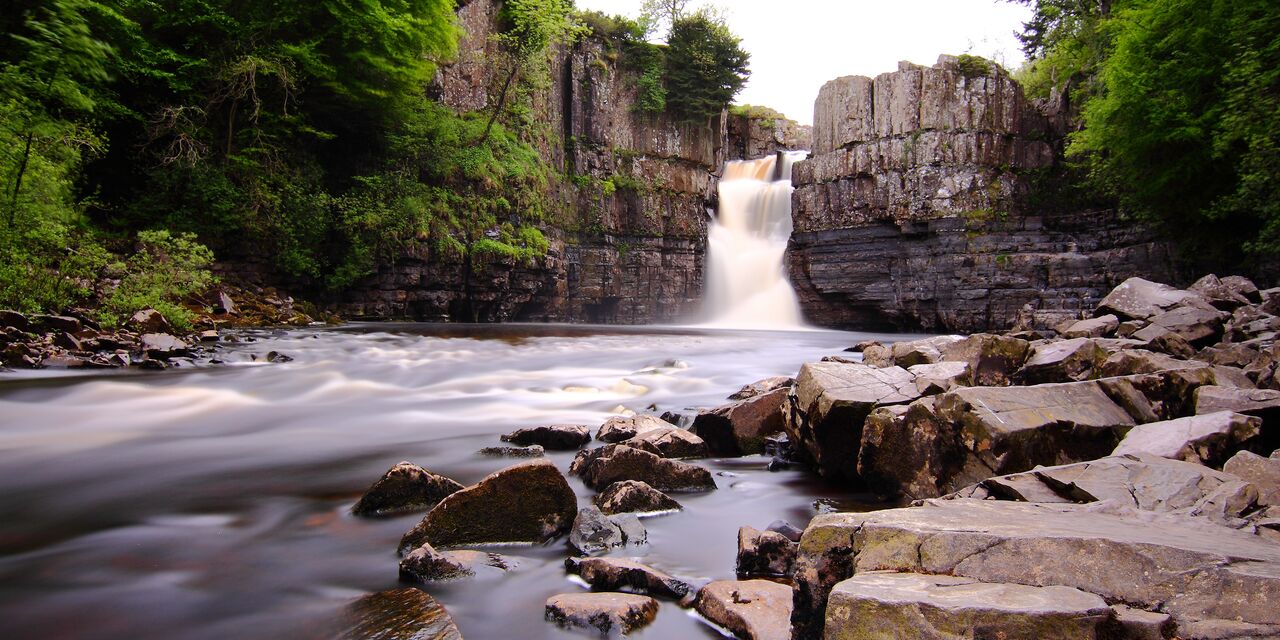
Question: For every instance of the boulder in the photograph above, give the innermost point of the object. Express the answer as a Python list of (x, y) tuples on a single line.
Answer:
[(886, 605), (1139, 299), (611, 614), (619, 428), (399, 614), (425, 564), (14, 320), (606, 465), (764, 553), (1158, 338), (48, 323), (923, 351), (1264, 403), (527, 503), (404, 487), (1187, 567), (149, 321), (593, 532), (1136, 624), (616, 574), (1062, 361), (750, 609), (992, 359), (1198, 326), (1262, 473), (1139, 361), (740, 428), (1243, 287), (788, 530), (1207, 439), (669, 442), (829, 404), (1100, 327), (910, 451), (557, 437), (162, 345), (1142, 482), (531, 451), (1220, 294), (762, 387), (877, 355), (633, 496), (932, 379)]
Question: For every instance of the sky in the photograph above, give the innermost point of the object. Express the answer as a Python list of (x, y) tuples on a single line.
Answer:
[(798, 45)]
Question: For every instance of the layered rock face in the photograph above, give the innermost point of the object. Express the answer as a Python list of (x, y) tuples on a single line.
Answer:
[(912, 210), (754, 136), (628, 212)]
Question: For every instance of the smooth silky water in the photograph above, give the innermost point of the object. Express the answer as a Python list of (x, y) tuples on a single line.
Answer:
[(213, 503)]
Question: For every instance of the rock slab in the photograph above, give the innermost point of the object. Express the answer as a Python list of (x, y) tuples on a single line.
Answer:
[(751, 609)]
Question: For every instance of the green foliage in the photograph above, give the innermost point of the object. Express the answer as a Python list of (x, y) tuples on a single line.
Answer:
[(651, 61), (1186, 132), (768, 117), (706, 67), (611, 28), (163, 270), (972, 66)]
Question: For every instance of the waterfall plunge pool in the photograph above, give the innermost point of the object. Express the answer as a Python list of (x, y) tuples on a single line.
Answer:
[(212, 503)]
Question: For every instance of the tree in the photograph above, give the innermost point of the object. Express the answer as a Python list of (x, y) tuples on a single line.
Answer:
[(706, 66), (532, 27), (1186, 131), (657, 14)]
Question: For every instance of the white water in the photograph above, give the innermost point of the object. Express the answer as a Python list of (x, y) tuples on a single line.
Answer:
[(747, 286)]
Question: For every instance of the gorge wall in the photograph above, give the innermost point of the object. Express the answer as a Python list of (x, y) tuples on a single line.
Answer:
[(914, 210)]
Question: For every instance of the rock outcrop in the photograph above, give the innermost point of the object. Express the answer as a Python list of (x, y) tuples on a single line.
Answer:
[(914, 209)]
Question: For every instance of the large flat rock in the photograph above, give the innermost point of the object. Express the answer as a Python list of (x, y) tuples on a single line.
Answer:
[(1208, 439), (1187, 567), (751, 609), (886, 605)]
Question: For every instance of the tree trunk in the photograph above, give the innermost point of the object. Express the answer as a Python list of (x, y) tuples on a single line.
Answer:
[(17, 182), (497, 108)]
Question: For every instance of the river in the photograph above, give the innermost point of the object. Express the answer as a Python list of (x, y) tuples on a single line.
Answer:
[(213, 502)]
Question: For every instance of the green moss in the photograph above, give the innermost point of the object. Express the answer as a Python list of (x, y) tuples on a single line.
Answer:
[(971, 66)]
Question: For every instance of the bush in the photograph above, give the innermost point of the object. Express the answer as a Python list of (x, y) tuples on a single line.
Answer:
[(163, 271)]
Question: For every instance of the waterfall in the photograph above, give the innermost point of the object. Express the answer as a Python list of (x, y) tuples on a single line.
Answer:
[(747, 284)]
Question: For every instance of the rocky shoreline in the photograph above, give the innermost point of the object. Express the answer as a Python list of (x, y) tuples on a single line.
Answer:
[(147, 340), (1117, 477)]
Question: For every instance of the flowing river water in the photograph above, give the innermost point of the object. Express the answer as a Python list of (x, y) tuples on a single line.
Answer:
[(213, 502)]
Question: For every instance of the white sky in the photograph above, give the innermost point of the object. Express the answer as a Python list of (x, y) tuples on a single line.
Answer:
[(798, 45)]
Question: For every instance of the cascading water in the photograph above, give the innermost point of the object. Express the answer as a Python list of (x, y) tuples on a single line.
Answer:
[(747, 286)]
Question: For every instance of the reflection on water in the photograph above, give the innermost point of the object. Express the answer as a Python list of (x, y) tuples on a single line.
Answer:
[(211, 503)]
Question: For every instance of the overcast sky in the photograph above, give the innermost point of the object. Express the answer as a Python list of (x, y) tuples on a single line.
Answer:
[(798, 45)]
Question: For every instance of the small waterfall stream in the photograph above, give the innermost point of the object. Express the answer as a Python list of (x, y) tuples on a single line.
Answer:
[(747, 285)]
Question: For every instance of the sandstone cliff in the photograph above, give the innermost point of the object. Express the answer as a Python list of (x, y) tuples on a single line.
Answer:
[(913, 208)]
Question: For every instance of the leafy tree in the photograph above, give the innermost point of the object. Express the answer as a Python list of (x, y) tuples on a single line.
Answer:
[(657, 14), (706, 66), (532, 28), (1187, 129), (1065, 42)]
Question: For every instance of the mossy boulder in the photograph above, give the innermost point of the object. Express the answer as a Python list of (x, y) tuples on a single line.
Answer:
[(527, 503)]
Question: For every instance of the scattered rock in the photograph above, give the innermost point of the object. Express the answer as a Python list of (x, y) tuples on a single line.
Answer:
[(405, 487), (1186, 567), (1139, 299), (764, 553), (762, 387), (992, 359), (740, 428), (531, 451), (1063, 361), (614, 574), (150, 321), (633, 496), (277, 357), (55, 323), (923, 351), (1264, 403), (750, 609), (669, 442), (1099, 327), (400, 614), (880, 604), (1198, 326), (829, 404), (1223, 295), (611, 614), (790, 531), (14, 320), (527, 503), (162, 345), (932, 379), (593, 532), (557, 437), (1262, 473), (425, 564), (621, 428), (606, 465), (1207, 439)]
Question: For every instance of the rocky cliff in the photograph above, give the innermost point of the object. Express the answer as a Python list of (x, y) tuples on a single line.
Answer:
[(630, 196), (915, 211), (756, 132)]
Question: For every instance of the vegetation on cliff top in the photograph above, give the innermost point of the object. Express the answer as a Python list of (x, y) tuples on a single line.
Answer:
[(1181, 110)]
